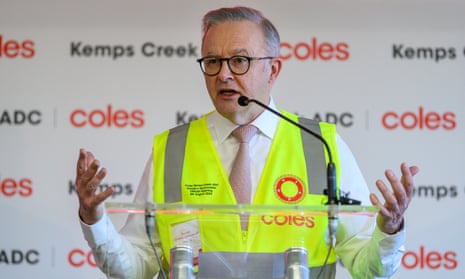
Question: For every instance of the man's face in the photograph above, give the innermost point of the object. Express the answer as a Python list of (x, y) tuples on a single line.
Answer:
[(239, 38)]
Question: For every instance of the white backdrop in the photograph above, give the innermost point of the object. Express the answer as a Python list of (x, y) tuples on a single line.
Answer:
[(394, 85)]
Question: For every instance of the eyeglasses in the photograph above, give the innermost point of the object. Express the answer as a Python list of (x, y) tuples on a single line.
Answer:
[(237, 64)]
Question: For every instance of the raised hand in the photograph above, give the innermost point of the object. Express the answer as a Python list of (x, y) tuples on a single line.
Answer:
[(397, 199), (89, 176)]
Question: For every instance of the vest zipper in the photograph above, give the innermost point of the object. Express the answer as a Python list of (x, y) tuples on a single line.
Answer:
[(244, 236)]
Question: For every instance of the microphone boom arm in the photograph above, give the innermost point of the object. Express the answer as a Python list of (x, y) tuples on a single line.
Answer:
[(330, 170)]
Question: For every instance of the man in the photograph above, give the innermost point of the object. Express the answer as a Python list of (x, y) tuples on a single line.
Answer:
[(240, 57)]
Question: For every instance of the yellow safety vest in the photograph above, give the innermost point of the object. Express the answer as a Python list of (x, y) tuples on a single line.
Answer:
[(187, 169)]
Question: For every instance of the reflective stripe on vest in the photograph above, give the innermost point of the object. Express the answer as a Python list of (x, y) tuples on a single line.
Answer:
[(175, 147)]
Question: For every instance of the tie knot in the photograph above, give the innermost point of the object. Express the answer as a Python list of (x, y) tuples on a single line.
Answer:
[(244, 133)]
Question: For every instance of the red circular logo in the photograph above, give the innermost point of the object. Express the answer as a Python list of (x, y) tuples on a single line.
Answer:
[(289, 189)]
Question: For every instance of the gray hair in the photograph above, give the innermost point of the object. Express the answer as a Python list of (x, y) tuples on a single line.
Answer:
[(240, 13)]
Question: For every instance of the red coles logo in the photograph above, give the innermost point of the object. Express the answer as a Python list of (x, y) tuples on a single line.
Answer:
[(80, 258), (433, 260), (289, 220), (315, 50), (10, 187), (12, 48), (108, 117), (420, 119)]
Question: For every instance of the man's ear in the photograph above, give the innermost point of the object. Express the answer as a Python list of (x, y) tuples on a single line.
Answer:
[(276, 64)]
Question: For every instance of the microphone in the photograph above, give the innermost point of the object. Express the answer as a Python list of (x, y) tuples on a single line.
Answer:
[(149, 226), (149, 218), (333, 209)]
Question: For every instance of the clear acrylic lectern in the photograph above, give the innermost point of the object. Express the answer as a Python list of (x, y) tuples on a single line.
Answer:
[(208, 241)]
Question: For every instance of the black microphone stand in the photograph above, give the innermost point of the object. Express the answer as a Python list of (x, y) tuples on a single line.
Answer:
[(333, 202)]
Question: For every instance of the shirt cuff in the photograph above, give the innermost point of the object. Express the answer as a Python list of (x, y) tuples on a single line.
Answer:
[(99, 233), (389, 243)]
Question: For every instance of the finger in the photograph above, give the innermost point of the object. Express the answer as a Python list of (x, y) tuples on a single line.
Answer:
[(401, 193), (85, 180), (90, 158), (391, 202), (407, 179), (81, 163), (414, 170), (377, 202), (96, 180), (387, 194), (84, 172), (101, 197)]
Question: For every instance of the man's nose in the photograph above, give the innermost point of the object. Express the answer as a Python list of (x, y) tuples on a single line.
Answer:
[(225, 73)]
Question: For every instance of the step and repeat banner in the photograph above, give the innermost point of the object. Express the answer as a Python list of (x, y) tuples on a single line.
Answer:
[(107, 75)]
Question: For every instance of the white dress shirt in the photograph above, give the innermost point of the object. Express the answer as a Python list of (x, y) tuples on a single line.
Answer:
[(361, 246)]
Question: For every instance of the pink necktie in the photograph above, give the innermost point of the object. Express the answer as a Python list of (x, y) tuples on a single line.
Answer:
[(240, 176)]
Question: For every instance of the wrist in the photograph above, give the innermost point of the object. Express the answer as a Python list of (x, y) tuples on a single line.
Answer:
[(395, 229), (90, 217)]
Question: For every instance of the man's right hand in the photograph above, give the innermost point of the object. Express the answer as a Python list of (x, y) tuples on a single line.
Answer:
[(89, 176)]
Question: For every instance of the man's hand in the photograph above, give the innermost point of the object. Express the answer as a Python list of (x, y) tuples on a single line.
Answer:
[(88, 177), (391, 214)]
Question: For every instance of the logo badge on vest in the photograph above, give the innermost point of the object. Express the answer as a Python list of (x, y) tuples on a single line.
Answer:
[(289, 189)]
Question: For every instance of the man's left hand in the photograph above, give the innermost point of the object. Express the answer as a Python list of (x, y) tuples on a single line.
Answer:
[(391, 214)]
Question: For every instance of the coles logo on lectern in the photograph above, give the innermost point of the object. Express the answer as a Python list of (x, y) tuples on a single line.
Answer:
[(108, 117), (13, 48), (315, 49)]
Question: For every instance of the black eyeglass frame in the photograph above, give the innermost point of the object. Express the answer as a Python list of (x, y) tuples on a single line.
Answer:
[(228, 59)]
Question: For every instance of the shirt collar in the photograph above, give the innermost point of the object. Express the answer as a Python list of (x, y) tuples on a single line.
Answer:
[(266, 123)]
